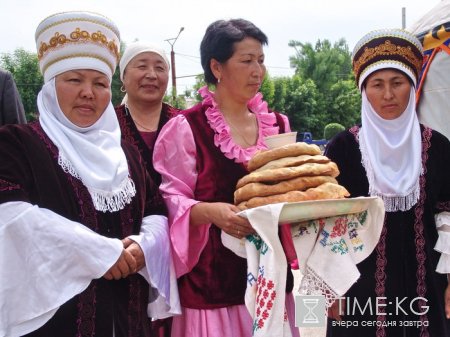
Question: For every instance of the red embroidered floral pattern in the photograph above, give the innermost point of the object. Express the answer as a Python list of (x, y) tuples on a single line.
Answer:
[(340, 227), (265, 297), (8, 186)]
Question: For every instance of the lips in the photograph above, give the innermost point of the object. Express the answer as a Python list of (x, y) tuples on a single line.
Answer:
[(85, 107), (149, 86)]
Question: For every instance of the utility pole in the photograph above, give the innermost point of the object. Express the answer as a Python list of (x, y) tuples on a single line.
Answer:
[(403, 17), (172, 61)]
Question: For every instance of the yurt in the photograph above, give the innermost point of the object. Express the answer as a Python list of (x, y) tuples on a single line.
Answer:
[(433, 92)]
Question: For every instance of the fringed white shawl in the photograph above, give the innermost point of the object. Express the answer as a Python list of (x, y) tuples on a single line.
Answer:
[(391, 155)]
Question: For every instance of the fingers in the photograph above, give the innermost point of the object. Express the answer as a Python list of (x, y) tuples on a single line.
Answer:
[(124, 266), (447, 302), (126, 242), (130, 265), (336, 309), (138, 255)]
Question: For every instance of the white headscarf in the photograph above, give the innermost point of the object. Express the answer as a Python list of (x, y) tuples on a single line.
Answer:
[(133, 50), (391, 154), (92, 154)]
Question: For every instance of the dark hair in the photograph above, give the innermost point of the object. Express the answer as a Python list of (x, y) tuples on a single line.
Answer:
[(219, 39)]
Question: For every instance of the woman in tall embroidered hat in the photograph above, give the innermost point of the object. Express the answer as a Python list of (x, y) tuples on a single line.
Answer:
[(403, 289), (144, 71), (200, 167), (83, 229)]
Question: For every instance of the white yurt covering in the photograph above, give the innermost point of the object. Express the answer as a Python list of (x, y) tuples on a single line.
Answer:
[(433, 93)]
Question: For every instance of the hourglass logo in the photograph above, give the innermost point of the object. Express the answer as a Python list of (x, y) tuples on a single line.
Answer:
[(309, 311)]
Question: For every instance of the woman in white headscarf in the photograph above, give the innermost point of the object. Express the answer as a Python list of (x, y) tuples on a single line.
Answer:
[(83, 228), (403, 289), (144, 71)]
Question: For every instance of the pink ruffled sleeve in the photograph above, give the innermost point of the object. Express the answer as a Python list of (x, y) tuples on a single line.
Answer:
[(174, 158)]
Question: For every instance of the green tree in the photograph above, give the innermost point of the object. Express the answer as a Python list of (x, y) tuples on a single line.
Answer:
[(24, 67), (280, 85), (302, 105), (325, 64), (329, 68), (268, 90), (332, 129), (344, 103)]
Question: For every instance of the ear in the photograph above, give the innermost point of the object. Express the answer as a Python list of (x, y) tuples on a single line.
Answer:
[(216, 68)]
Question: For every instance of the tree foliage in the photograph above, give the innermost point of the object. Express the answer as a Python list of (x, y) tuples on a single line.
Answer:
[(24, 67), (329, 67)]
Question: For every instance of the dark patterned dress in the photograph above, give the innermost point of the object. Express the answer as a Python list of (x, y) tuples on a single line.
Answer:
[(145, 142), (399, 292)]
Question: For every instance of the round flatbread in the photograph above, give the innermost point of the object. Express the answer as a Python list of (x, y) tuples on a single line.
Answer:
[(285, 173), (252, 190), (324, 191), (293, 161), (289, 150)]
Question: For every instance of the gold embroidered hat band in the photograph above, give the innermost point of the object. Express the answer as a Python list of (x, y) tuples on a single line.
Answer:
[(77, 40), (387, 48)]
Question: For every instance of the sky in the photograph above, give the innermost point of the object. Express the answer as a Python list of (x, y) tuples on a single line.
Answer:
[(156, 21)]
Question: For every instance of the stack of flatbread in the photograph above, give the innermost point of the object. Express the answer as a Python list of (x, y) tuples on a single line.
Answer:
[(290, 173)]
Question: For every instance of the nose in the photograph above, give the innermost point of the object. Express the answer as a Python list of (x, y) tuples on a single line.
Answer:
[(151, 73), (87, 91), (258, 69), (388, 93)]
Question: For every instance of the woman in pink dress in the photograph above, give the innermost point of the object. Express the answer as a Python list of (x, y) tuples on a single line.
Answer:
[(201, 154)]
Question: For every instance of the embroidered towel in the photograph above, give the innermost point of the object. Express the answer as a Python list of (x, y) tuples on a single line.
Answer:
[(266, 272), (328, 250)]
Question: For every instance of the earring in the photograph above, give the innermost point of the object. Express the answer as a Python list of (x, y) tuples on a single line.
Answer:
[(218, 80), (122, 88)]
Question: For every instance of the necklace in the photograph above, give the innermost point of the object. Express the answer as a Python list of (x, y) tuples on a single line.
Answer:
[(136, 122), (140, 125), (240, 134)]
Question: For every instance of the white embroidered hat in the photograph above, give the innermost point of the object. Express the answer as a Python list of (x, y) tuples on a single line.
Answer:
[(77, 40)]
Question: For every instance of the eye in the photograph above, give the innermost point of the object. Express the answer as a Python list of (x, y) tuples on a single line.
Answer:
[(101, 84)]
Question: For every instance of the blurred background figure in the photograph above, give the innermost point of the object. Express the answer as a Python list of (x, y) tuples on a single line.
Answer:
[(11, 107)]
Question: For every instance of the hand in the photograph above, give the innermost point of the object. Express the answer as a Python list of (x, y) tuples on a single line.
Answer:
[(137, 253), (224, 216), (447, 301), (124, 266), (337, 309)]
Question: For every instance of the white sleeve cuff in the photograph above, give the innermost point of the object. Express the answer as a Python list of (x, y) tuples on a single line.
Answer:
[(442, 219), (443, 246), (159, 270)]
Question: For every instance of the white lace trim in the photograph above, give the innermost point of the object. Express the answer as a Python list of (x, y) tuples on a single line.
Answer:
[(312, 284), (67, 166), (104, 201)]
